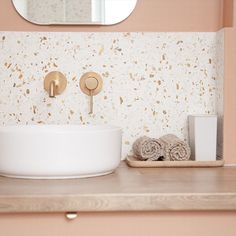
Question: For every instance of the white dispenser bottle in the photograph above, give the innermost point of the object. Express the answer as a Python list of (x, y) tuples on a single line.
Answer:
[(203, 137)]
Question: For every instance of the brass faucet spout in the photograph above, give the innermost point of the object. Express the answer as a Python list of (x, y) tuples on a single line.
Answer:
[(52, 89), (55, 83)]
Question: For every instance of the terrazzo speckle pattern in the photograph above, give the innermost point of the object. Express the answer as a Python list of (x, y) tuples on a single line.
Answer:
[(45, 11), (152, 81)]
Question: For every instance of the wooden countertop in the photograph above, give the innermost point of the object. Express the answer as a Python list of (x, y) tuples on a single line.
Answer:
[(127, 189)]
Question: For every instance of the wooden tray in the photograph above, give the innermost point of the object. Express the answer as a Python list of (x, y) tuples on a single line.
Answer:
[(134, 162)]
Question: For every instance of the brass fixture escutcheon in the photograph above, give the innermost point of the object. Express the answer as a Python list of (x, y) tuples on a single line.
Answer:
[(91, 81), (55, 80)]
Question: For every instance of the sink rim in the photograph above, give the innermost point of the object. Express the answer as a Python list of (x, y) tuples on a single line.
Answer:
[(65, 128)]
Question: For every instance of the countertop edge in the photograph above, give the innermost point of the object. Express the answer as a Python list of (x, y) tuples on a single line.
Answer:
[(119, 202)]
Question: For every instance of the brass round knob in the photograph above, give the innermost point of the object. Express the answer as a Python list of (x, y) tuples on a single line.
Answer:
[(91, 83)]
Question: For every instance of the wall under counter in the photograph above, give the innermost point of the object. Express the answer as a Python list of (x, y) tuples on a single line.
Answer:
[(120, 224)]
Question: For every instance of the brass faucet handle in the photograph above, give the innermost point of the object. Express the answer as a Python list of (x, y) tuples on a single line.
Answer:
[(91, 84), (91, 81), (91, 102)]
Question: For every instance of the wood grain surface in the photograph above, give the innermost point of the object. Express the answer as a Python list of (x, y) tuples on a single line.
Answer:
[(134, 162), (128, 189)]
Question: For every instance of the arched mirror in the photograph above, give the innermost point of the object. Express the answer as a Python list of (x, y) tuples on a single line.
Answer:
[(74, 12)]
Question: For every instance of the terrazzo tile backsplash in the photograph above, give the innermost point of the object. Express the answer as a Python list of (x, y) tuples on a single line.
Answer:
[(152, 81)]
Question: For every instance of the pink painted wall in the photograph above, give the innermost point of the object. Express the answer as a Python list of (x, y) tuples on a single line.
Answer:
[(230, 93), (150, 15), (228, 12), (121, 224)]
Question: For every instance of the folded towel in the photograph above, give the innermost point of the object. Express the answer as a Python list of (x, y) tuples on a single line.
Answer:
[(148, 149), (175, 149)]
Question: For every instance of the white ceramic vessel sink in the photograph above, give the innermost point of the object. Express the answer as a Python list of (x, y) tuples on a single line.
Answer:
[(58, 152)]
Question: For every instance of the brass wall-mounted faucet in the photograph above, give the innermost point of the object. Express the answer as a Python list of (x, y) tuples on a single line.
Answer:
[(55, 83), (91, 84)]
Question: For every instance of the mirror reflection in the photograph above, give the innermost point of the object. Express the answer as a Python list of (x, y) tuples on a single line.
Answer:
[(95, 12)]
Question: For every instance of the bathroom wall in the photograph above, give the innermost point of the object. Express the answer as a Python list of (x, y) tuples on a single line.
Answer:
[(229, 93), (152, 81), (117, 224), (149, 16), (185, 15), (169, 15)]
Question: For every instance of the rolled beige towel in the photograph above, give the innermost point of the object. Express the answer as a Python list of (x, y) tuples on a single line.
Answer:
[(175, 149), (148, 149)]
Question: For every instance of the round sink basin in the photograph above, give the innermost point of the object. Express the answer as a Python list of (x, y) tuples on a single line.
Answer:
[(59, 151)]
